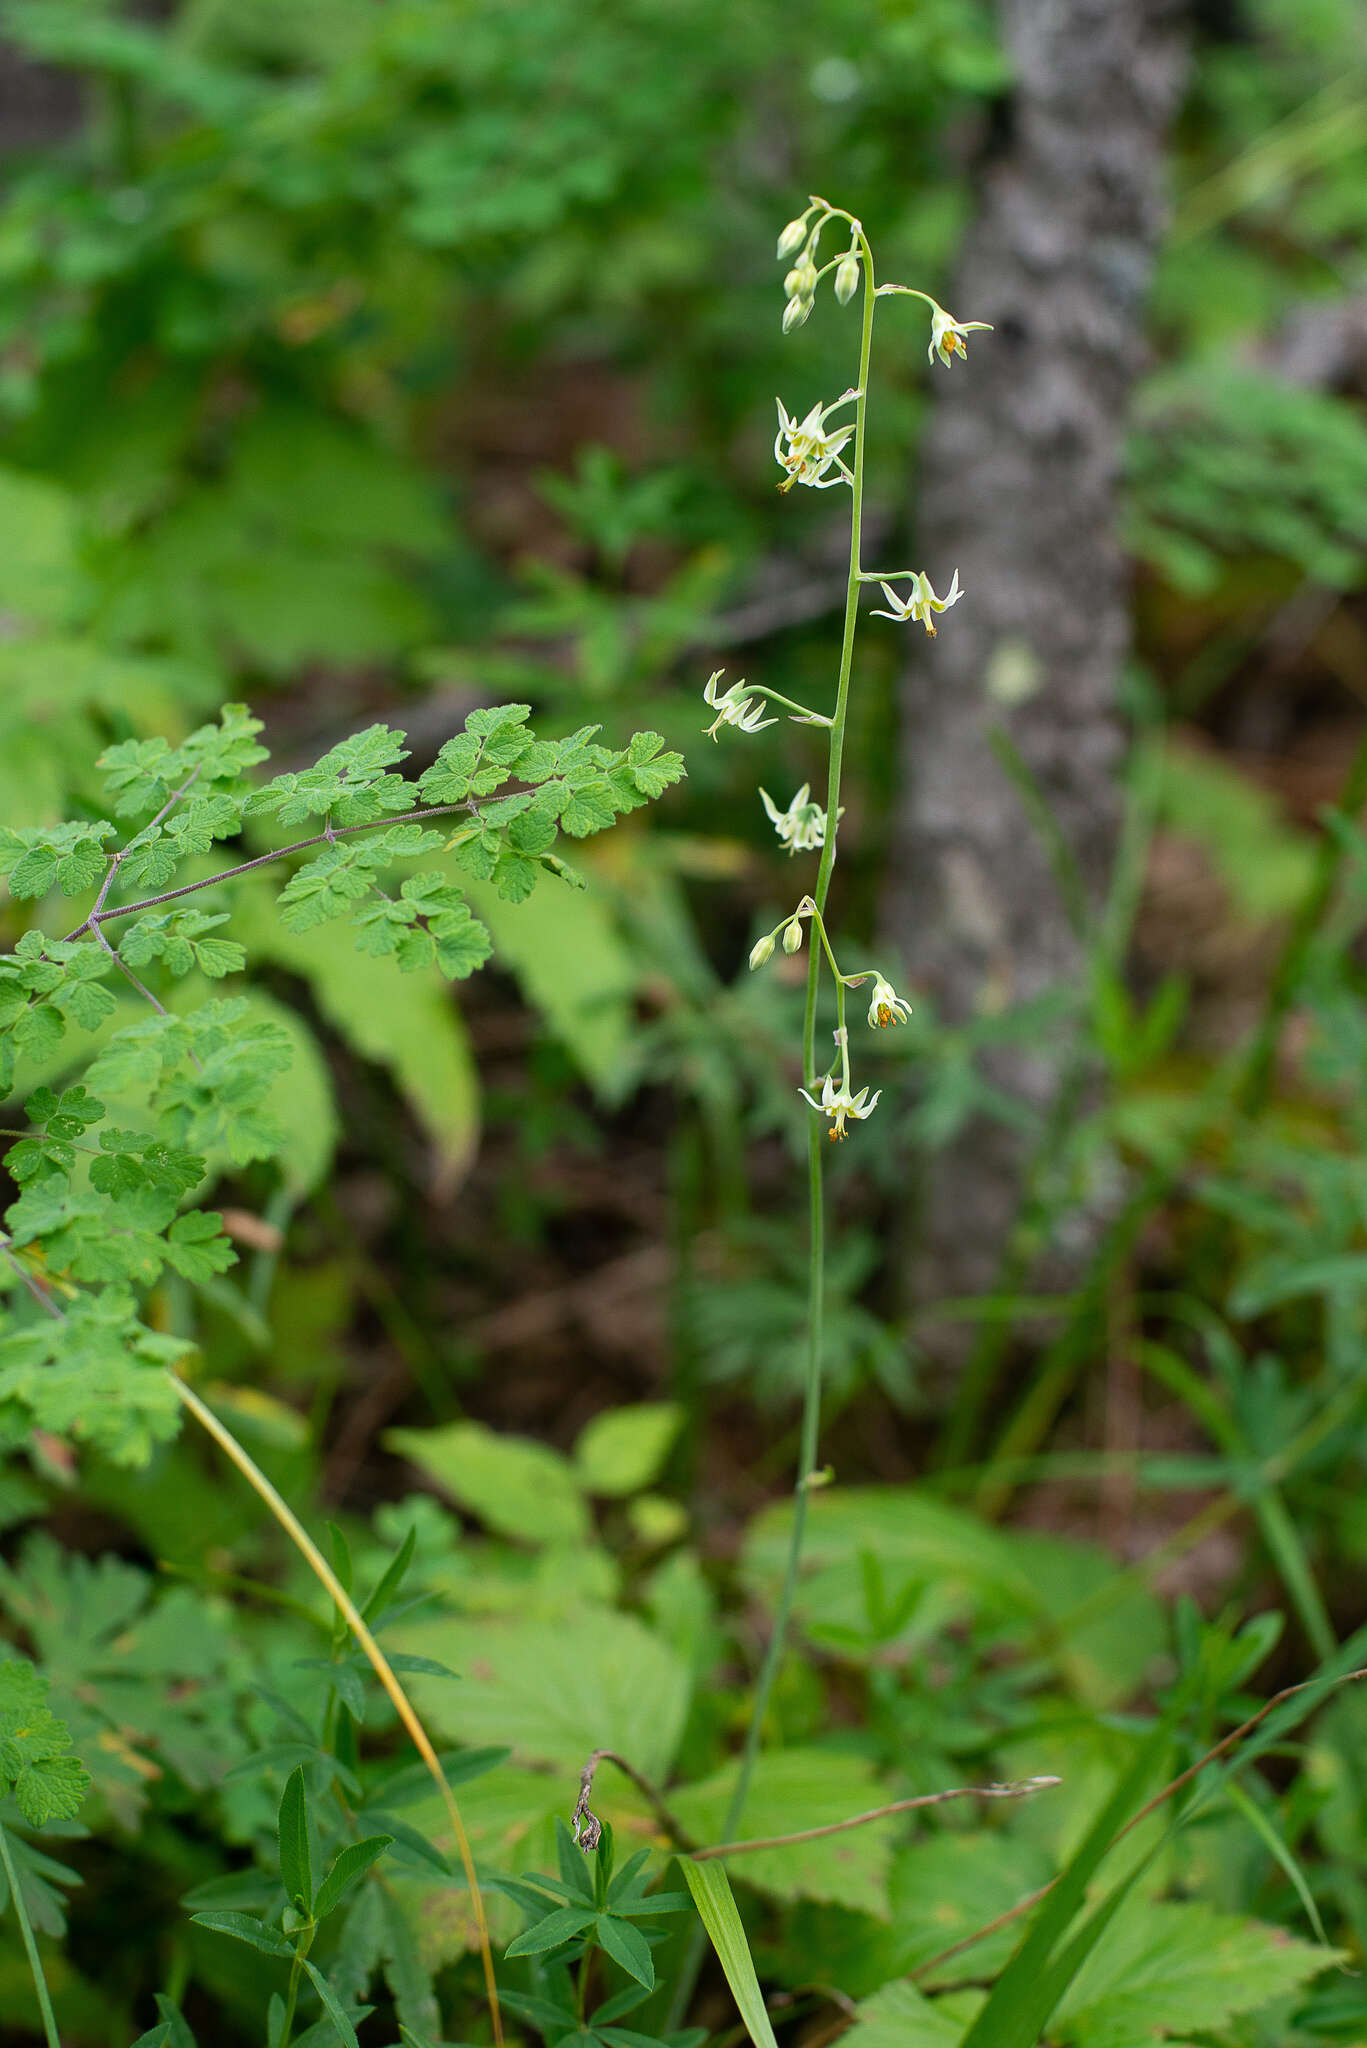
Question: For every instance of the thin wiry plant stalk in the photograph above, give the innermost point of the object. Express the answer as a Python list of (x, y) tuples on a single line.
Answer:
[(816, 1265), (35, 1961), (374, 1655), (811, 1399)]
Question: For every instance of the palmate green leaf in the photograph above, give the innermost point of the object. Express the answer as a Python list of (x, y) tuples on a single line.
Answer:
[(97, 1376), (139, 1671)]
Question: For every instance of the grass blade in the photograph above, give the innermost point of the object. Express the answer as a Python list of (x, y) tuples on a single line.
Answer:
[(711, 1889)]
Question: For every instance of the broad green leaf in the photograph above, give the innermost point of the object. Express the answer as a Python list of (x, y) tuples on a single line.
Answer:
[(555, 1690), (517, 1487), (574, 968), (409, 1025), (713, 1898), (958, 1567), (941, 1888), (1180, 1968), (622, 1449), (898, 2016), (792, 1789)]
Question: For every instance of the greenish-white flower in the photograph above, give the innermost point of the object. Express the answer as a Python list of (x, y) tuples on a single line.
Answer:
[(733, 707), (762, 950), (808, 450), (920, 602), (886, 1006), (838, 1104), (947, 334), (802, 827)]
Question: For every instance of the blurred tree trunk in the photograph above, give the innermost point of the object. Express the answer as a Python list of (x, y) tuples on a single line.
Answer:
[(1018, 480)]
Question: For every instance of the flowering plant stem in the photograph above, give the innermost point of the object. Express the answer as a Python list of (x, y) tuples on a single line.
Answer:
[(811, 1398)]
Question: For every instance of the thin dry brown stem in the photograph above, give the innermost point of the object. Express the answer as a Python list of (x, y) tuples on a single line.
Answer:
[(1211, 1756), (859, 1820), (375, 1656), (129, 975), (587, 1827), (100, 916)]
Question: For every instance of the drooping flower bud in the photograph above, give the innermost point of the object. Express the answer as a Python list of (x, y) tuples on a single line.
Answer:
[(762, 950), (792, 283), (792, 936), (795, 312), (791, 236), (847, 278)]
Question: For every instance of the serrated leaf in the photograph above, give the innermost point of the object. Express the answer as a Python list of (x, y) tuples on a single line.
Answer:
[(35, 874), (898, 2016), (1164, 1967), (51, 1790), (792, 1789), (555, 1693)]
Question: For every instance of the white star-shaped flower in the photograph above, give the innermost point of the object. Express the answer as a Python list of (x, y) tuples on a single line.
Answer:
[(838, 1103), (947, 334), (802, 827), (919, 602), (886, 1006), (733, 707), (808, 451)]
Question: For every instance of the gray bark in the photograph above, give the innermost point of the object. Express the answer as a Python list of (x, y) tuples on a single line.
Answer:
[(1018, 485)]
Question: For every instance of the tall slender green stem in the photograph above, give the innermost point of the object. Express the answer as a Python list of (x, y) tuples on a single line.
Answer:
[(816, 1269), (811, 1400), (35, 1961)]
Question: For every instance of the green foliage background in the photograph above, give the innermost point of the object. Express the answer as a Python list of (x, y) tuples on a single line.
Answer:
[(366, 365)]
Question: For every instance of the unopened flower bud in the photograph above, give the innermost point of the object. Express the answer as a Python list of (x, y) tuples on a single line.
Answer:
[(792, 936), (794, 313), (791, 236), (762, 950), (792, 283), (846, 278), (806, 271)]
